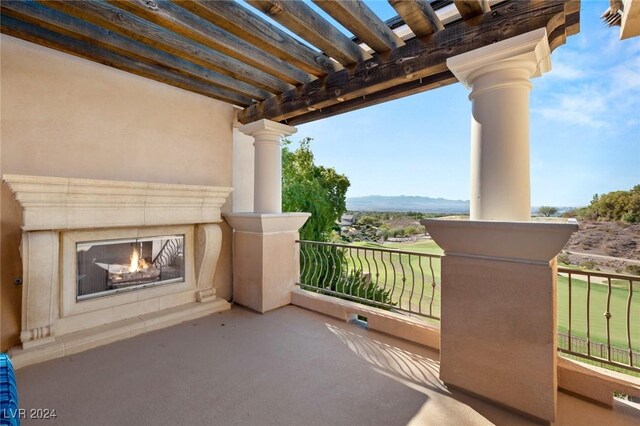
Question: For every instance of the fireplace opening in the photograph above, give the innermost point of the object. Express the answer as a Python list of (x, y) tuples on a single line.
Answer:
[(113, 266)]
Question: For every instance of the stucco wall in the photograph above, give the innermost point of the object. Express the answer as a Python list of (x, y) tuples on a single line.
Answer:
[(65, 116)]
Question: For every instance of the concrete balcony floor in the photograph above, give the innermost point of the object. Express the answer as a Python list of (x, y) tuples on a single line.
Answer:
[(287, 367)]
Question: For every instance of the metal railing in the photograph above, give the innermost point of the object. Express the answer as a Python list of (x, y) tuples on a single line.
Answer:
[(598, 313), (599, 317), (384, 278)]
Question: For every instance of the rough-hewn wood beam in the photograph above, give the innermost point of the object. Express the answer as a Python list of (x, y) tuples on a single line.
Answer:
[(185, 23), (363, 23), (396, 92), (34, 13), (44, 37), (570, 26), (246, 25), (471, 8), (419, 58), (308, 24), (418, 15), (107, 16)]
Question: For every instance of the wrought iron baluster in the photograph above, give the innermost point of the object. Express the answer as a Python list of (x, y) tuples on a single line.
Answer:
[(421, 284), (608, 316), (413, 282), (630, 347), (404, 278), (589, 315), (570, 340)]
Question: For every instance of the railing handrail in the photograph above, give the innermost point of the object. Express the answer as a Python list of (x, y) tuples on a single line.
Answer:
[(612, 275), (406, 281), (413, 253)]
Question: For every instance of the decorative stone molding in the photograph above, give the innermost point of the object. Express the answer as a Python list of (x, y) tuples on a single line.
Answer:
[(266, 223), (208, 245), (66, 203), (514, 241), (267, 129), (530, 51), (40, 264)]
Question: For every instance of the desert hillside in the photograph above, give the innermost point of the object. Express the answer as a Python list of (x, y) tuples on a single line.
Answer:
[(611, 246)]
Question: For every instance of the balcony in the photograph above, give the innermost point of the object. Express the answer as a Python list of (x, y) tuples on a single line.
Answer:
[(289, 366)]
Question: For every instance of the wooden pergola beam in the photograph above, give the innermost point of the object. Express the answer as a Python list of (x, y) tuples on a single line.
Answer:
[(246, 25), (58, 22), (419, 16), (179, 20), (356, 16), (134, 27), (471, 8), (396, 92), (419, 58), (63, 43), (308, 24)]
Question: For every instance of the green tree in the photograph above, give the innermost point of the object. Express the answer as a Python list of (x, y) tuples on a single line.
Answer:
[(307, 187), (613, 206), (547, 211)]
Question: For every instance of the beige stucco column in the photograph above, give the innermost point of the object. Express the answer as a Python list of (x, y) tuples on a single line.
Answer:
[(267, 163), (498, 76), (499, 271), (266, 258), (498, 310)]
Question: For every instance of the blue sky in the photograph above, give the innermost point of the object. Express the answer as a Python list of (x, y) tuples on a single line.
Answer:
[(585, 128)]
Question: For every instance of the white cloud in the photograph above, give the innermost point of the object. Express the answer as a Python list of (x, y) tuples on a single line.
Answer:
[(564, 71), (586, 108), (575, 98)]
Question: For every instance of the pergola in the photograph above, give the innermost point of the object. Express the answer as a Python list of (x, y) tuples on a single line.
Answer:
[(226, 51), (232, 53)]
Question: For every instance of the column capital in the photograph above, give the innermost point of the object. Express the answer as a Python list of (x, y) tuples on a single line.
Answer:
[(528, 51), (267, 128)]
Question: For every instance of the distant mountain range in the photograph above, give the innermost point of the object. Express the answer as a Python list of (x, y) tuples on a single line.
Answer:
[(406, 203), (412, 203)]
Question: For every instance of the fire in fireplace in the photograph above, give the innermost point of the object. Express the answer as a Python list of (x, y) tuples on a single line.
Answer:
[(113, 266)]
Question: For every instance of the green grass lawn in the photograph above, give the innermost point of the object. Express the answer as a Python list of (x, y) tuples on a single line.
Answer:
[(413, 295)]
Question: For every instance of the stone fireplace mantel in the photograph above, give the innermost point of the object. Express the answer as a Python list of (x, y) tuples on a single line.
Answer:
[(53, 203), (58, 213)]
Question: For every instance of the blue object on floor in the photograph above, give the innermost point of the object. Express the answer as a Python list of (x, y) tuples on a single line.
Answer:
[(9, 411)]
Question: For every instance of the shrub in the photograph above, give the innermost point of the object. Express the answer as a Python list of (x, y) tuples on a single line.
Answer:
[(367, 220), (589, 264), (633, 269)]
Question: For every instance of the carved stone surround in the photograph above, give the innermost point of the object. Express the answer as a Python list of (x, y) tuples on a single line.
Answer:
[(58, 212)]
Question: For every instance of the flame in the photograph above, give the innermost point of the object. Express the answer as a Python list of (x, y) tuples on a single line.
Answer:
[(143, 264), (135, 259)]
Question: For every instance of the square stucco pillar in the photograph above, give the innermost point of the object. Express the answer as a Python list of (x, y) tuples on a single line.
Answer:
[(266, 259), (498, 310)]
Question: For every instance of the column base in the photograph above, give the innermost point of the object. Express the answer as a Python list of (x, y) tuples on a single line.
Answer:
[(498, 303), (265, 258)]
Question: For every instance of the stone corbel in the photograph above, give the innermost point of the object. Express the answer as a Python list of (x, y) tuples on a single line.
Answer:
[(40, 297), (208, 246)]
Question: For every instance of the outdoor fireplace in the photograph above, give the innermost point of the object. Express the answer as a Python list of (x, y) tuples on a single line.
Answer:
[(113, 266), (106, 260)]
